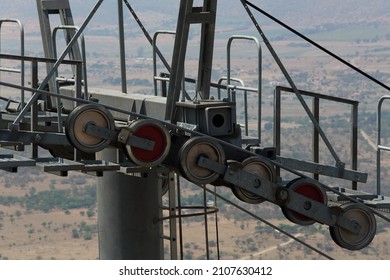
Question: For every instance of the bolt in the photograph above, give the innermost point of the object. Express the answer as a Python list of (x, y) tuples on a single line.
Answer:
[(37, 138), (283, 194), (307, 205), (257, 183), (357, 177)]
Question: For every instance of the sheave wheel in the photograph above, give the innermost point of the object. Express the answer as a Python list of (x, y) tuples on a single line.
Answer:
[(308, 188), (364, 218), (150, 130), (77, 121), (255, 166), (189, 154)]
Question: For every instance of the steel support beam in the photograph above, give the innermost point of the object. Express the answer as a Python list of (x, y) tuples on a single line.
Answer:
[(189, 14)]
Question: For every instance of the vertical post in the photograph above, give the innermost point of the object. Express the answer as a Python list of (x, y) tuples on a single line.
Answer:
[(378, 144), (178, 58), (206, 48), (188, 14), (122, 46), (34, 109), (129, 211), (316, 135), (172, 212), (277, 120), (354, 140)]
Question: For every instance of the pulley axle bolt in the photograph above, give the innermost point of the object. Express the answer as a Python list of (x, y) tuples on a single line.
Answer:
[(283, 194), (307, 205), (37, 138)]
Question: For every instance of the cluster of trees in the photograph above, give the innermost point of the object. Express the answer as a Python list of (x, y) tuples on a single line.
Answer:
[(45, 201), (87, 232)]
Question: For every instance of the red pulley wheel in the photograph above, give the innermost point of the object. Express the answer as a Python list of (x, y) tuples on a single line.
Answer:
[(154, 131), (309, 189)]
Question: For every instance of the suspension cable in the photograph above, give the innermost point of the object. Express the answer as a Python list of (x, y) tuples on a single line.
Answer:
[(338, 58), (339, 163), (318, 45), (147, 35)]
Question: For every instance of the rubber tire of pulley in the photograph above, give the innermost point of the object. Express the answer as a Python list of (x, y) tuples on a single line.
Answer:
[(75, 131), (245, 195), (357, 242), (190, 152)]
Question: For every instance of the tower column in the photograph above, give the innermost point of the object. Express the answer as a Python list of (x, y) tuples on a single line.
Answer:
[(128, 214)]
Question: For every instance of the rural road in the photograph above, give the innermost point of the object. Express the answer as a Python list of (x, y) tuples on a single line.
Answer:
[(271, 248), (367, 138)]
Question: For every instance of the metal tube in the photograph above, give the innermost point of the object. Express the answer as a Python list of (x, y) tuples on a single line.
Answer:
[(258, 90), (122, 46), (22, 67), (354, 141), (206, 230), (277, 124), (154, 45), (34, 109), (315, 141), (83, 55), (379, 143), (172, 212)]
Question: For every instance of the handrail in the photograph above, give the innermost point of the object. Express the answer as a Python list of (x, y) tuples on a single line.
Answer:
[(316, 113), (22, 68), (259, 51), (83, 52), (34, 61), (84, 72), (380, 147), (154, 45)]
